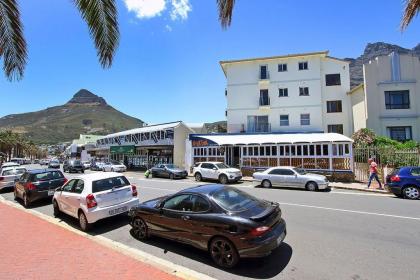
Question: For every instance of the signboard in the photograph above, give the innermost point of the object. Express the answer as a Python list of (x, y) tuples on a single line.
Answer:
[(197, 141), (122, 149)]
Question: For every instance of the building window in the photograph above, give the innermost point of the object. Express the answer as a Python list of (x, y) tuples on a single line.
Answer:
[(303, 91), (284, 120), (258, 124), (399, 133), (263, 72), (225, 92), (334, 106), (225, 113), (335, 128), (305, 119), (282, 67), (332, 80), (303, 65), (264, 98), (398, 99), (283, 92)]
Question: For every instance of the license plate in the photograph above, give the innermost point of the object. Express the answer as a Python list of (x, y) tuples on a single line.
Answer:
[(281, 238), (118, 210), (51, 192)]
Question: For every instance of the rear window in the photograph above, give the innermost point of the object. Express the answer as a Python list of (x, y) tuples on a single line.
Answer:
[(109, 184), (8, 172), (52, 175), (234, 200)]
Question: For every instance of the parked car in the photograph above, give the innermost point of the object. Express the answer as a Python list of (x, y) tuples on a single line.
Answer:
[(9, 164), (405, 182), (38, 184), (44, 162), (97, 166), (86, 164), (292, 177), (216, 171), (114, 166), (228, 223), (95, 196), (54, 163), (170, 171), (8, 175), (73, 165)]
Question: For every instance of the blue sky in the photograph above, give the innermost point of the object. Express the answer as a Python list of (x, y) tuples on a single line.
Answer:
[(167, 65)]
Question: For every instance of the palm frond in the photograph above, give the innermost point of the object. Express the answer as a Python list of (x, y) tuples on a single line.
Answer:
[(101, 18), (225, 11), (412, 8), (12, 43)]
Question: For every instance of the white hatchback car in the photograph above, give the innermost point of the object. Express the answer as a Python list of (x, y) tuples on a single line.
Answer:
[(95, 196)]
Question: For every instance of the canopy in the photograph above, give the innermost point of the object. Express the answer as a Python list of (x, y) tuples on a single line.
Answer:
[(259, 139)]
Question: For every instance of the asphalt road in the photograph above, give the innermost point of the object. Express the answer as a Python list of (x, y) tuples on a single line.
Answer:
[(331, 235)]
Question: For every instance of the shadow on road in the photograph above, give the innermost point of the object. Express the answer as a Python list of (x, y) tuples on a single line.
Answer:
[(258, 268)]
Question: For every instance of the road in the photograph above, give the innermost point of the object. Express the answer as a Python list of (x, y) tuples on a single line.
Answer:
[(331, 235)]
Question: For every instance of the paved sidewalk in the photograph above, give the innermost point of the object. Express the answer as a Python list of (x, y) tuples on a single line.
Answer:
[(32, 248)]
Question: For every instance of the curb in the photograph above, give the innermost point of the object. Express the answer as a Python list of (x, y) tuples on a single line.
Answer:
[(361, 190), (158, 263)]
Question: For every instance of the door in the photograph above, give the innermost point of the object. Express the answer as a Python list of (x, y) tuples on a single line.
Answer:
[(65, 196), (276, 177), (213, 172), (20, 185), (74, 197), (236, 157), (290, 178)]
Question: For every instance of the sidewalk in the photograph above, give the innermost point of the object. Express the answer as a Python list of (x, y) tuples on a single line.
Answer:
[(36, 249)]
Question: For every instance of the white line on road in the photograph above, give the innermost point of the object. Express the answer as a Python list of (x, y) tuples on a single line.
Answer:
[(351, 211)]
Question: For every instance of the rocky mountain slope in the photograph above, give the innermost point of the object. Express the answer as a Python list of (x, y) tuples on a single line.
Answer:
[(85, 113)]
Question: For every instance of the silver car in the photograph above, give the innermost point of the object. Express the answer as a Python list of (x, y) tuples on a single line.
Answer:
[(292, 177), (8, 175)]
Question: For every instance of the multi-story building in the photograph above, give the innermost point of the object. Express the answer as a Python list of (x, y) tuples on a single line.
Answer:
[(392, 96), (290, 93)]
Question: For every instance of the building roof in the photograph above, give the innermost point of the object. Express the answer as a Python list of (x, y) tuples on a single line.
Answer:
[(259, 139)]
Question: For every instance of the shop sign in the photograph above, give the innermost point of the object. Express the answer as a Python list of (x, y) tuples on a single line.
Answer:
[(122, 149)]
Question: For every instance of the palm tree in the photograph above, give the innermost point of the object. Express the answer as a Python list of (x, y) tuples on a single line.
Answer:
[(412, 8)]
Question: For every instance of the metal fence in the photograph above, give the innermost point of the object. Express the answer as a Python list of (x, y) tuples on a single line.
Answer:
[(387, 158)]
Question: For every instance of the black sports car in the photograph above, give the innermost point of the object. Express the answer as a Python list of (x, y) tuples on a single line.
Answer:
[(168, 171), (225, 221)]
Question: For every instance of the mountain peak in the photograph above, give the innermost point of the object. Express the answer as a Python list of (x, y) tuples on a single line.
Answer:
[(84, 96)]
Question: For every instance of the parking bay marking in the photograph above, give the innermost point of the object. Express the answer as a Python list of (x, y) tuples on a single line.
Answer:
[(351, 211)]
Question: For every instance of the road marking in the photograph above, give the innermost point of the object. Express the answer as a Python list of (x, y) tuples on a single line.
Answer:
[(367, 194), (162, 264), (351, 211), (161, 189)]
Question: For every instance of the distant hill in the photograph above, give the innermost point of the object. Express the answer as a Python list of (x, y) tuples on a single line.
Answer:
[(371, 51), (216, 127), (85, 113)]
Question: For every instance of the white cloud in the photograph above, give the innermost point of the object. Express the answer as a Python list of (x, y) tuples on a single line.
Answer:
[(168, 28), (180, 9), (146, 8)]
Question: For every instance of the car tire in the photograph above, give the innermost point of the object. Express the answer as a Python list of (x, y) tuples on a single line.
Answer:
[(411, 192), (223, 252), (83, 222), (266, 184), (311, 186), (83, 171), (140, 229), (171, 176), (112, 169), (198, 177), (223, 179), (56, 209), (26, 202)]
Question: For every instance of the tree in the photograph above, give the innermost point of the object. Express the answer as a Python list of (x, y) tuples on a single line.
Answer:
[(412, 8)]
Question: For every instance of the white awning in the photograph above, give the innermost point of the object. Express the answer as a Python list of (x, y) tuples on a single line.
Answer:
[(259, 139), (144, 129)]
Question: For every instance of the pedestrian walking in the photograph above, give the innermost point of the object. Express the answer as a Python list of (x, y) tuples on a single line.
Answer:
[(373, 170)]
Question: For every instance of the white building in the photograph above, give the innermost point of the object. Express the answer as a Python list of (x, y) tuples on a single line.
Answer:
[(392, 96), (290, 93)]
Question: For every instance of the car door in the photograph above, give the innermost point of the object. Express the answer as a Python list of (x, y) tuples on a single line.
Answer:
[(75, 197), (20, 184), (205, 170), (64, 197), (290, 178), (415, 172), (164, 172), (276, 177)]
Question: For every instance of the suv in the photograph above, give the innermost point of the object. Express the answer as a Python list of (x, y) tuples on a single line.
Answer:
[(405, 182), (216, 171), (38, 184), (54, 163), (73, 166)]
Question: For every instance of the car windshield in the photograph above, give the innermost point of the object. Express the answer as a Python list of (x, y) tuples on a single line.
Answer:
[(171, 166), (48, 176), (114, 162), (54, 161), (222, 165), (234, 200), (77, 162), (109, 184), (300, 171)]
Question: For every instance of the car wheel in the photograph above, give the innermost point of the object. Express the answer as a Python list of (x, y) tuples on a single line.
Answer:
[(223, 179), (140, 230), (56, 208), (83, 222), (83, 171), (171, 176), (311, 186), (26, 201), (266, 184), (112, 169), (411, 192), (198, 177), (223, 252)]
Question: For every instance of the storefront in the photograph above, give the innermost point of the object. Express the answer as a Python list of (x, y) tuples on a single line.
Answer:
[(145, 147), (327, 152)]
